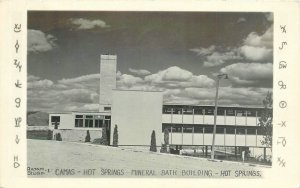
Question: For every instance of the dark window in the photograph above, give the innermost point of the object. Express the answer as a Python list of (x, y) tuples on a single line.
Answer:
[(240, 131), (198, 129), (221, 112), (251, 112), (164, 126), (176, 128), (251, 131), (209, 111), (98, 123), (78, 122), (220, 130), (209, 129), (198, 110), (167, 110), (187, 129), (187, 110), (79, 116), (88, 123), (230, 130), (240, 113), (89, 117), (177, 110), (55, 120), (230, 112), (107, 117), (107, 108)]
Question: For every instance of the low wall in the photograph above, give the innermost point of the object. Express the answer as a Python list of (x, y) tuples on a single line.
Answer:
[(76, 135)]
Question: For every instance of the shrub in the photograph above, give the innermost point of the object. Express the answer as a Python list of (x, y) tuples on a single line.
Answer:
[(103, 140), (153, 142), (87, 137), (49, 135), (164, 146), (116, 136), (58, 137)]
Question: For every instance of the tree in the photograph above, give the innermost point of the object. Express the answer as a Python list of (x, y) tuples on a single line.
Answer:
[(266, 120), (104, 137), (58, 137), (116, 136), (49, 135), (153, 142), (87, 137), (164, 147)]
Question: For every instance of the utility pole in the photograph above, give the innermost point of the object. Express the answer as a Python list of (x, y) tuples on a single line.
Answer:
[(219, 77)]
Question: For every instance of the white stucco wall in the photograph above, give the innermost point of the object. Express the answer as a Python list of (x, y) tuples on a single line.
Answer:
[(108, 76), (66, 121), (137, 113)]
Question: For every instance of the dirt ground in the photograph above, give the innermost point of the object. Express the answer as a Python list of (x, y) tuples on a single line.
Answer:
[(47, 158)]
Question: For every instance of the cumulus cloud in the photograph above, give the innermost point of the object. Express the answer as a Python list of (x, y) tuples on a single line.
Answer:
[(258, 47), (216, 55), (85, 24), (64, 94), (139, 72), (128, 80), (254, 47), (250, 74), (39, 41), (217, 58), (173, 77)]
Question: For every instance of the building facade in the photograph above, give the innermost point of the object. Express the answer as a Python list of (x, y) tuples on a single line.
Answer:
[(138, 113)]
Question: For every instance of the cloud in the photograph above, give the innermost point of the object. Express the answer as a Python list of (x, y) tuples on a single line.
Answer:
[(217, 58), (258, 47), (264, 40), (254, 47), (63, 95), (139, 72), (39, 84), (250, 74), (85, 24), (128, 80), (256, 53), (241, 19), (39, 41), (204, 51), (173, 77), (216, 55)]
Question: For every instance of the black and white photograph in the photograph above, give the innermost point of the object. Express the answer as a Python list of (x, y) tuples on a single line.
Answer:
[(149, 94)]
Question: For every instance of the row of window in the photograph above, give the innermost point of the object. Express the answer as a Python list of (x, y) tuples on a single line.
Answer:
[(253, 130), (209, 110), (92, 121)]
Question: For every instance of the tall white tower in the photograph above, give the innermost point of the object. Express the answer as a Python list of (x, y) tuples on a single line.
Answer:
[(108, 79)]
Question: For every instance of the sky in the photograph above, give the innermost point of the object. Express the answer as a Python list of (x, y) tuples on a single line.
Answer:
[(178, 53)]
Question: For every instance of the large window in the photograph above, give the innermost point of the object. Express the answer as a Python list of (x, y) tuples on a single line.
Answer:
[(88, 121), (99, 121), (55, 120), (79, 121)]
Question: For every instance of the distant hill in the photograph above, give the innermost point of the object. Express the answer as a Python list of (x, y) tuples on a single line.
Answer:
[(37, 118)]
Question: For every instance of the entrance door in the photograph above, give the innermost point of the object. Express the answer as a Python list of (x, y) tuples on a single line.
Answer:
[(108, 128)]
